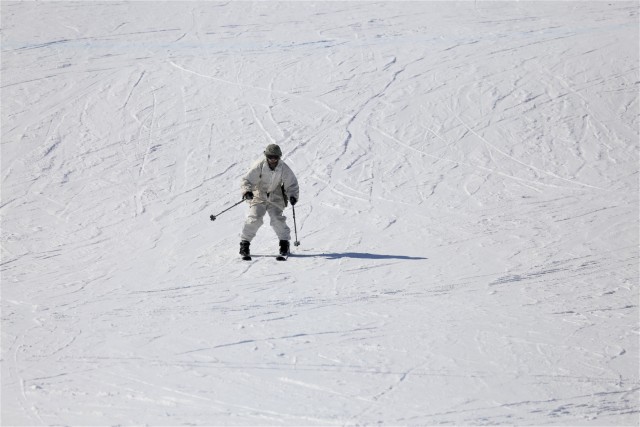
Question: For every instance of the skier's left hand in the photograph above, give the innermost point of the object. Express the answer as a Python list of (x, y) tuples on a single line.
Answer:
[(293, 200)]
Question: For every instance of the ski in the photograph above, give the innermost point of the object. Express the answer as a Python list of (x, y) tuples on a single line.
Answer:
[(278, 257)]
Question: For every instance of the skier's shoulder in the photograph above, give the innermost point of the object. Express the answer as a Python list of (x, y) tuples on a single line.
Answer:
[(257, 164), (285, 167)]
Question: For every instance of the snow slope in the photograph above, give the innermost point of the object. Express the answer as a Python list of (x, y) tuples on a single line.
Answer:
[(468, 213)]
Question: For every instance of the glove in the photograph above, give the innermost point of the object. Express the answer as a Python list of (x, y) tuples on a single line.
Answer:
[(247, 196), (293, 200)]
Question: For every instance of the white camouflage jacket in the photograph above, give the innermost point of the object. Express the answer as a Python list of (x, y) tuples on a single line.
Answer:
[(267, 185)]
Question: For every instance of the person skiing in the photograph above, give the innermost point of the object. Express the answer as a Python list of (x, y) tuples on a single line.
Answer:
[(268, 186)]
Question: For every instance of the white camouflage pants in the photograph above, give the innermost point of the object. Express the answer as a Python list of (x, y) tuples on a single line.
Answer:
[(255, 219)]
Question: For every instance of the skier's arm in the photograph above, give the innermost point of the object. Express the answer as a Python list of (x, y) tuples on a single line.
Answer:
[(250, 180), (290, 183)]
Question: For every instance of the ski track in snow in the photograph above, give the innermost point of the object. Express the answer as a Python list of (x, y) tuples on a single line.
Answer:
[(468, 213)]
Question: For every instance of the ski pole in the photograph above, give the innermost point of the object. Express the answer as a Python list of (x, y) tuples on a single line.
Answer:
[(213, 217), (295, 227)]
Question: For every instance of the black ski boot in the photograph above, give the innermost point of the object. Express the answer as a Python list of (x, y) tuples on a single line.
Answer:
[(284, 250), (244, 250)]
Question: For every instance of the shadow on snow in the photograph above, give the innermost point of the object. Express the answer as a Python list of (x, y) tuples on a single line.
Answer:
[(356, 255)]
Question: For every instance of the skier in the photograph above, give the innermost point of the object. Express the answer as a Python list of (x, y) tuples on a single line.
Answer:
[(273, 183)]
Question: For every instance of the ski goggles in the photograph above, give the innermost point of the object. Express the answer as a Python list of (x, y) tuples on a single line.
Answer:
[(270, 157)]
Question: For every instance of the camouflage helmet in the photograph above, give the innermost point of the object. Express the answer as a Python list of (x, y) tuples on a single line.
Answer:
[(273, 150)]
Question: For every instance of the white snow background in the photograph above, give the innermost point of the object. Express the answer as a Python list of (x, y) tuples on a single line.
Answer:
[(468, 215)]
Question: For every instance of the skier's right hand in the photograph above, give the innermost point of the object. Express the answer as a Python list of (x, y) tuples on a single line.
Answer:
[(247, 196)]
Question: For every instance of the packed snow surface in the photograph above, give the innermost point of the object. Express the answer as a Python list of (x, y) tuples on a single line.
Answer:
[(468, 214)]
